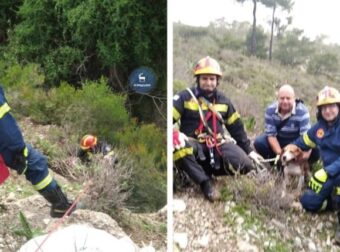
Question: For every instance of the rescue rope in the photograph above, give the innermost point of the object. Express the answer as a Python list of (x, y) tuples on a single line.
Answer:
[(268, 160), (67, 213)]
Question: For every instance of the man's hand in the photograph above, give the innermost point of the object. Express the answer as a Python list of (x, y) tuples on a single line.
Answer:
[(178, 140), (256, 157)]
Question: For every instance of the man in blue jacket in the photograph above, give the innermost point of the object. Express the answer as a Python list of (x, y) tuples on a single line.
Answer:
[(28, 161), (324, 135), (285, 121)]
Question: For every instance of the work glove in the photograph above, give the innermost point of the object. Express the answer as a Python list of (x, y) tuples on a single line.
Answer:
[(178, 140), (317, 180), (257, 158), (19, 162)]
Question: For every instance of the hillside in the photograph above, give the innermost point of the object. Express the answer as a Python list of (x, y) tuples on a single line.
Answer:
[(250, 82), (18, 195), (252, 214)]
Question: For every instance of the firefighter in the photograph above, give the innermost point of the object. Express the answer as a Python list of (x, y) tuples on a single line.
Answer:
[(324, 135), (27, 161), (201, 147), (89, 145)]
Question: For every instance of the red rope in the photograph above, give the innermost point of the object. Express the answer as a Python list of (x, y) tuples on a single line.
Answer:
[(68, 212), (199, 130)]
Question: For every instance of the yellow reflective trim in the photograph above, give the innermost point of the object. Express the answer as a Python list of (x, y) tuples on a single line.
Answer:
[(233, 118), (43, 183), (183, 153), (337, 190), (25, 152), (175, 114), (221, 107), (4, 109), (321, 175), (308, 141), (192, 105)]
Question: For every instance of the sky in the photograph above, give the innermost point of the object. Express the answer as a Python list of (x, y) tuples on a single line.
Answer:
[(315, 17)]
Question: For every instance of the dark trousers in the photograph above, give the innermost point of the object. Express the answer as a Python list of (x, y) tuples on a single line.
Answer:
[(199, 168), (313, 201), (37, 171)]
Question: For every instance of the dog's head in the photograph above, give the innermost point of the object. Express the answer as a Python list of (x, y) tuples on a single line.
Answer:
[(290, 153)]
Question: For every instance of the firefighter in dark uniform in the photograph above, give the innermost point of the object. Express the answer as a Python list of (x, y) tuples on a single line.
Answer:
[(201, 147), (28, 161)]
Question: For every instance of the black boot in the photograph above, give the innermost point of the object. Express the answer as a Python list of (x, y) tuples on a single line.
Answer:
[(59, 201), (208, 191)]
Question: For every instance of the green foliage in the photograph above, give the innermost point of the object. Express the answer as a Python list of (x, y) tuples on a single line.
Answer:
[(93, 109), (74, 41), (8, 17), (232, 42), (63, 63), (178, 86), (85, 39), (326, 63), (261, 40), (26, 229), (249, 123), (16, 75), (293, 48), (147, 144)]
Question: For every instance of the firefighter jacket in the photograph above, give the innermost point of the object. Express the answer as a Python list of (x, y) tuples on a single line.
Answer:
[(10, 135), (186, 110), (327, 140)]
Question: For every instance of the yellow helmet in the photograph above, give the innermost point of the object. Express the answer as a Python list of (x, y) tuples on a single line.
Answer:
[(207, 65), (328, 95)]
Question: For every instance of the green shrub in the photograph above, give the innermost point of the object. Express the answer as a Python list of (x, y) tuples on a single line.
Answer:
[(92, 109)]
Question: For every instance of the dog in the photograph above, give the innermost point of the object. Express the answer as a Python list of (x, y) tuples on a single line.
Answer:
[(294, 166)]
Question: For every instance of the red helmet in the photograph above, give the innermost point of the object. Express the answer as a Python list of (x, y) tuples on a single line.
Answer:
[(88, 142)]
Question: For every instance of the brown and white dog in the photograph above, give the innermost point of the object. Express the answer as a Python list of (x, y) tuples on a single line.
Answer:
[(294, 166)]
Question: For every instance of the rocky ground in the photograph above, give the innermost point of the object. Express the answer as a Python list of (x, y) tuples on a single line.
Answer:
[(16, 195), (251, 216)]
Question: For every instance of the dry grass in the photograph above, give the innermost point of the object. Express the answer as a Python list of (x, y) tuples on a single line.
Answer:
[(111, 182), (262, 192)]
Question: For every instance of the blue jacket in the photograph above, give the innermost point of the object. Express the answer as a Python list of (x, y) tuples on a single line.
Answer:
[(327, 140), (296, 124), (11, 139)]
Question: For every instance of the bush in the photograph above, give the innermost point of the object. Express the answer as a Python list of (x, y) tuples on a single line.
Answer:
[(91, 109), (147, 145), (111, 182)]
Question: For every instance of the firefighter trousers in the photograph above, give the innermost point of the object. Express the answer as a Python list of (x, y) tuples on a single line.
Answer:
[(197, 163)]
